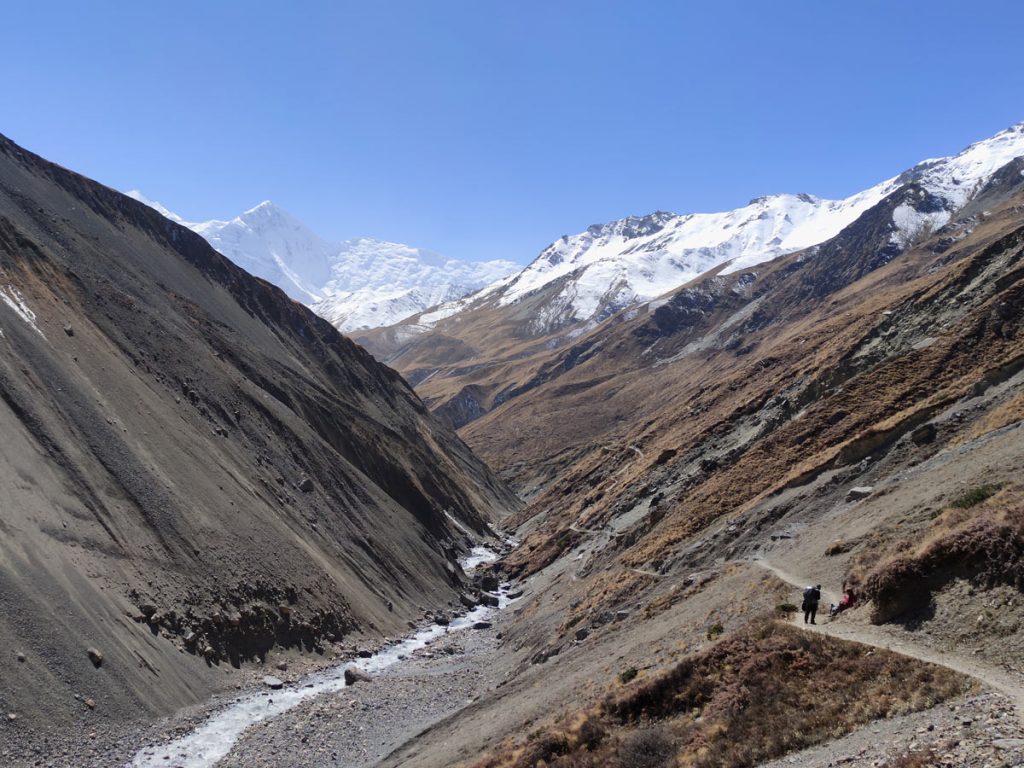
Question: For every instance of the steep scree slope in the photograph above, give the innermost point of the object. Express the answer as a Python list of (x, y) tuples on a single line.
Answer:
[(193, 462)]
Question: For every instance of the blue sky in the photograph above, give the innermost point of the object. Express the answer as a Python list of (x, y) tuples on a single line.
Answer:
[(483, 129)]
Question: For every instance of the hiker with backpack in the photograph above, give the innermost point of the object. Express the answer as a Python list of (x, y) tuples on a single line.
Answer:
[(812, 596)]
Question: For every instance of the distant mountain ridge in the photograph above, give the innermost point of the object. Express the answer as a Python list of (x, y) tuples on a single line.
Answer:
[(356, 284), (473, 355), (608, 267)]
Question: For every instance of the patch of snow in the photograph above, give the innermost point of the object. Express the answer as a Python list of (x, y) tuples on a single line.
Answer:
[(912, 224), (12, 297), (456, 523)]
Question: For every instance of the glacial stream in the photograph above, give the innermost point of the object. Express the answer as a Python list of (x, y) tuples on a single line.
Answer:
[(213, 740)]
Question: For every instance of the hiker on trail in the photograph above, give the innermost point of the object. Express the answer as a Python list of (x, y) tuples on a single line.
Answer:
[(848, 600), (812, 595)]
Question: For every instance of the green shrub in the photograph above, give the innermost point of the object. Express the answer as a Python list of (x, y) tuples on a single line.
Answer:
[(627, 674), (975, 496)]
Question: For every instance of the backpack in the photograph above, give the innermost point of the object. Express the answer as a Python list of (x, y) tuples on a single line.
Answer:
[(811, 595)]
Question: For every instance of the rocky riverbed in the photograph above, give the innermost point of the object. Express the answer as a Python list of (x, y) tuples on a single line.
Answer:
[(311, 716), (363, 723)]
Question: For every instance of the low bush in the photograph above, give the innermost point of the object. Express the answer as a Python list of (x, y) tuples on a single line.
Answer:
[(756, 695), (837, 548), (647, 748), (786, 611), (985, 548), (919, 758), (976, 496)]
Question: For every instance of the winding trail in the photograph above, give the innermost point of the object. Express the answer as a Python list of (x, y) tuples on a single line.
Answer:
[(1007, 683)]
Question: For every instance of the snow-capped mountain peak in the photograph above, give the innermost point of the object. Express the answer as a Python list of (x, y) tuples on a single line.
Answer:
[(957, 178), (269, 242), (357, 284), (635, 259)]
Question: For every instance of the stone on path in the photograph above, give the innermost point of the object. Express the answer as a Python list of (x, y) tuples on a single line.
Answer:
[(273, 683), (95, 657)]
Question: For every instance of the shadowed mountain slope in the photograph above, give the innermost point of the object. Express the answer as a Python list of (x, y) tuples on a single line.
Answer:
[(193, 462)]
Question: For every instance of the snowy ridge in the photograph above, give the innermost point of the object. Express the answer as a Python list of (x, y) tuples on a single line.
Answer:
[(375, 283), (636, 259), (358, 284)]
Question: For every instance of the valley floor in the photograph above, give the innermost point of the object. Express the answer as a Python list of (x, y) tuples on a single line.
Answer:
[(360, 726), (421, 710)]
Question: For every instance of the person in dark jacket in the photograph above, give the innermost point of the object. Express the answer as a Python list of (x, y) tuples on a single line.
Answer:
[(812, 596)]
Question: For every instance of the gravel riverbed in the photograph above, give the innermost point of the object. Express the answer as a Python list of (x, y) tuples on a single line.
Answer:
[(363, 723), (353, 727)]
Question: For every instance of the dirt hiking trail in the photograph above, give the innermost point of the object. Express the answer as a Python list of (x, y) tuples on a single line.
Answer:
[(1003, 681)]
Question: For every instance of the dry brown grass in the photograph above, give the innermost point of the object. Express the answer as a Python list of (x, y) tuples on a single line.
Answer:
[(674, 407), (979, 537), (1009, 413), (760, 693)]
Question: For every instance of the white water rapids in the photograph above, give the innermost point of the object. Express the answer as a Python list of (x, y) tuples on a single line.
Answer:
[(213, 740)]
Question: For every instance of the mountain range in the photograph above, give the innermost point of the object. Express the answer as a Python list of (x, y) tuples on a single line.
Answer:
[(471, 355), (356, 284), (200, 477)]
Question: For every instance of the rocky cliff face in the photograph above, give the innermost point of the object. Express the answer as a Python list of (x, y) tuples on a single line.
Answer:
[(195, 468)]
